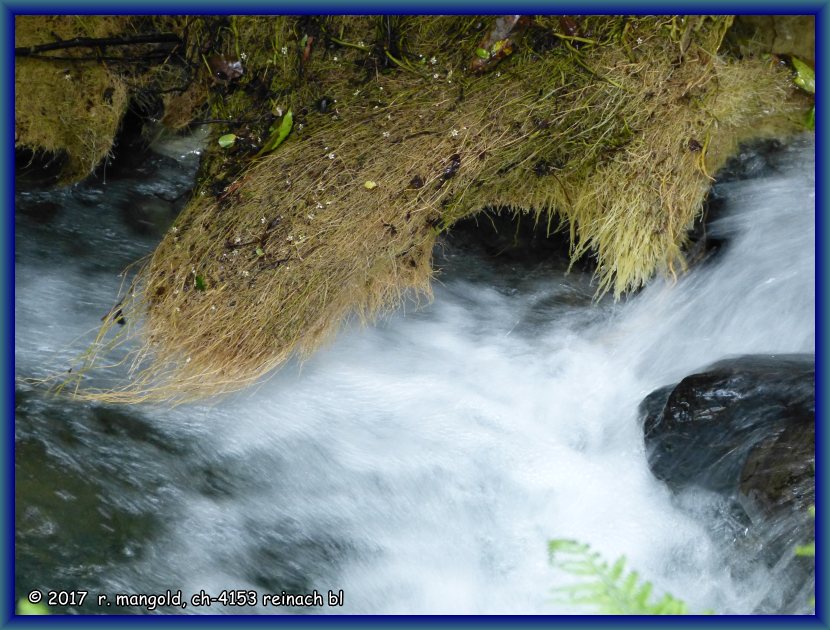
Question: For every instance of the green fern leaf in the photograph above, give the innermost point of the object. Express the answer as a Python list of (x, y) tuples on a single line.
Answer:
[(608, 588)]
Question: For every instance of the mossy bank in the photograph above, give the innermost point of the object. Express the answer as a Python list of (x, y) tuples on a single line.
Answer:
[(351, 143)]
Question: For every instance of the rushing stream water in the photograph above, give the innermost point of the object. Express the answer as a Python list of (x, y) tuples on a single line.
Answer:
[(421, 464)]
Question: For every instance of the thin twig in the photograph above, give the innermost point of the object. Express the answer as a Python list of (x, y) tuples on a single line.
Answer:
[(97, 42)]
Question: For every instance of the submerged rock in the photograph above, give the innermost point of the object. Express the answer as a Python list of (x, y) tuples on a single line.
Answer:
[(745, 428), (702, 430), (778, 480)]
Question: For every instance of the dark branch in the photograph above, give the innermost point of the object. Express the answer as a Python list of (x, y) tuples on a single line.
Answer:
[(98, 42), (141, 59)]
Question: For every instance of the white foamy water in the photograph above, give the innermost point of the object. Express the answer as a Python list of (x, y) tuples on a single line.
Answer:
[(422, 464)]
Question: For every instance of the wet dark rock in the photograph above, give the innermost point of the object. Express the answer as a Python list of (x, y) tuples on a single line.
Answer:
[(779, 473), (703, 246), (702, 431), (745, 428), (777, 488), (40, 211), (149, 216)]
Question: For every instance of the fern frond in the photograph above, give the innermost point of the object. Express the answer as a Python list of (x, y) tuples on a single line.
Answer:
[(609, 588)]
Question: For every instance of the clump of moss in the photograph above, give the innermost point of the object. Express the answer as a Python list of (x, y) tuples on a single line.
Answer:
[(63, 106), (76, 76), (612, 132)]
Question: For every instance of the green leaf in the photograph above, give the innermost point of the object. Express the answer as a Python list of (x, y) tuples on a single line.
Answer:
[(805, 77), (811, 124), (482, 53), (259, 252), (200, 283), (808, 550), (617, 569), (279, 135), (607, 588), (227, 140), (25, 607), (566, 546)]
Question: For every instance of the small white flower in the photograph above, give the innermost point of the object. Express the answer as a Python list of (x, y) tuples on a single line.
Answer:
[(356, 92), (335, 58), (278, 111), (330, 155), (289, 238), (385, 134), (433, 60), (262, 220), (67, 76), (388, 116), (237, 240), (498, 74), (319, 207), (187, 360), (328, 203), (300, 126), (174, 229), (243, 56), (454, 133), (639, 40), (245, 273), (213, 308), (178, 310), (311, 216), (435, 76), (380, 87), (284, 50)]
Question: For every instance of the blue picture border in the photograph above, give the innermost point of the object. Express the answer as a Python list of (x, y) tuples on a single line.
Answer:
[(7, 12)]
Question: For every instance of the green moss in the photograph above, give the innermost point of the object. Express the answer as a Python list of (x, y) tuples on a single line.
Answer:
[(612, 133), (66, 107)]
